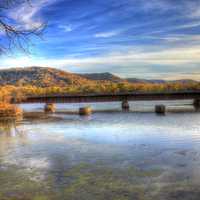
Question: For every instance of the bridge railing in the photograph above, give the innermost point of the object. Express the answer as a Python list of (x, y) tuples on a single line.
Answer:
[(117, 94)]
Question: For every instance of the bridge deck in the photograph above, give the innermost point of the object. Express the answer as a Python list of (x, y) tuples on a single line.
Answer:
[(147, 96)]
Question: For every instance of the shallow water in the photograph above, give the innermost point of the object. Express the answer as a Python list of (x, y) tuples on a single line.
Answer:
[(108, 155)]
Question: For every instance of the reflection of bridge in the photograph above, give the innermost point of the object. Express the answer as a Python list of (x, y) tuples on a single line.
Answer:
[(122, 97)]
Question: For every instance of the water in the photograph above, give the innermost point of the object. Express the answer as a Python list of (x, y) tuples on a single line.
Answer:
[(108, 155)]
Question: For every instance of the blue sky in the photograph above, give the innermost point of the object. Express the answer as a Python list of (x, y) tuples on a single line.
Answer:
[(131, 38)]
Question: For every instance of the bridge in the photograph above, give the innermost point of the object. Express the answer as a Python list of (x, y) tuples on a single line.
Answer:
[(119, 97)]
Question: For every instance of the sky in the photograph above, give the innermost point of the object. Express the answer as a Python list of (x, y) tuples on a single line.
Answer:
[(153, 39)]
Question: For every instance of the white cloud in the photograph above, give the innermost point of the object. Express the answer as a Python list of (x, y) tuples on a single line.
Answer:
[(178, 38), (192, 9), (106, 34), (159, 5), (165, 57), (27, 15), (183, 9), (133, 61), (189, 25), (195, 13), (66, 28)]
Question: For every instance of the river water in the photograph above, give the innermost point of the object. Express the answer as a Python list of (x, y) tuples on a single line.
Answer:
[(110, 155)]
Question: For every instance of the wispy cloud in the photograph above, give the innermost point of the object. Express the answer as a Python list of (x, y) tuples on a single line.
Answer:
[(192, 24), (192, 9), (183, 9), (146, 37), (66, 28), (27, 15), (107, 34), (195, 13), (159, 5), (177, 38), (176, 62)]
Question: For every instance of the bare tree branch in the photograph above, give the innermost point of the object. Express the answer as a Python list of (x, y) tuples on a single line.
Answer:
[(13, 36)]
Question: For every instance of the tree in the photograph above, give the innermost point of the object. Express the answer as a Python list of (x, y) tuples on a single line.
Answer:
[(5, 95), (12, 35)]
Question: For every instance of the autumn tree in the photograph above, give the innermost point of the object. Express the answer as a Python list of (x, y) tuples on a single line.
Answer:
[(5, 95)]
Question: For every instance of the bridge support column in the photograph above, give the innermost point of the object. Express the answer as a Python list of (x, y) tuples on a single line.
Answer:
[(196, 104), (85, 110), (125, 105), (50, 108), (160, 109)]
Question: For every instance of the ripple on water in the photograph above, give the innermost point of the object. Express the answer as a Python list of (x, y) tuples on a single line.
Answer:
[(123, 155)]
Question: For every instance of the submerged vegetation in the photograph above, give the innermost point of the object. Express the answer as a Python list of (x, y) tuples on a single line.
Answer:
[(93, 181)]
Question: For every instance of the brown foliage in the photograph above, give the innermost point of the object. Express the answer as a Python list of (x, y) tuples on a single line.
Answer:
[(16, 94)]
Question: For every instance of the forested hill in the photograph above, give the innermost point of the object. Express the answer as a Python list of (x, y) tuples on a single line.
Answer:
[(104, 77), (40, 77), (50, 77)]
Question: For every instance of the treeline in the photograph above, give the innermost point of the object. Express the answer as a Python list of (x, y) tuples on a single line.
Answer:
[(9, 92)]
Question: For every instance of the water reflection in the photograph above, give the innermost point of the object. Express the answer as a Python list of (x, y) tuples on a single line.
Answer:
[(7, 127), (121, 155)]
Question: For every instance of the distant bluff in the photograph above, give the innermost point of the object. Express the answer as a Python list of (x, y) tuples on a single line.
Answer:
[(40, 77), (48, 77)]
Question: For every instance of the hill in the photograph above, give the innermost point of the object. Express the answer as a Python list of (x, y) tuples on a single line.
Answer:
[(49, 77), (41, 77), (136, 80), (103, 77), (116, 79)]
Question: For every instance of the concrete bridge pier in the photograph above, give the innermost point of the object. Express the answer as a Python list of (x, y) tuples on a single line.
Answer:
[(49, 108), (125, 105), (160, 109), (196, 104), (85, 110)]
